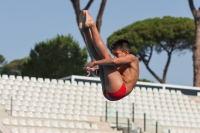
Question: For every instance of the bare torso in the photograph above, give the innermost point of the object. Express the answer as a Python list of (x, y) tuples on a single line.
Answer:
[(130, 74)]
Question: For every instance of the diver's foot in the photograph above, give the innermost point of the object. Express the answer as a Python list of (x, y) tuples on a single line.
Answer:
[(89, 22)]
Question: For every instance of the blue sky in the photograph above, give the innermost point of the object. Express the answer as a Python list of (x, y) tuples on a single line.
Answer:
[(25, 23)]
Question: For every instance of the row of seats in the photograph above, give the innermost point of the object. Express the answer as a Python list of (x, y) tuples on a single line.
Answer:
[(33, 81), (41, 130), (57, 114), (51, 115), (50, 101), (44, 88), (56, 107), (57, 104), (166, 95), (170, 107), (49, 123), (157, 90), (188, 113), (180, 131), (164, 105), (174, 117), (162, 95), (180, 124), (178, 119), (163, 100), (153, 98), (47, 111), (158, 106), (66, 94), (169, 103)]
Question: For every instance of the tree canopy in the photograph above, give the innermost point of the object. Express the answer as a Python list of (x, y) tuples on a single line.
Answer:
[(56, 58), (2, 60), (167, 34), (145, 80), (13, 68)]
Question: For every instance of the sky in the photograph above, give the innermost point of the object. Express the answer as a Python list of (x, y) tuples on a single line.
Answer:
[(25, 23)]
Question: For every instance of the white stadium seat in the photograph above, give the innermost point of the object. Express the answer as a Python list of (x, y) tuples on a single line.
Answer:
[(4, 76), (70, 125), (12, 77), (94, 126), (78, 125), (6, 121), (14, 130)]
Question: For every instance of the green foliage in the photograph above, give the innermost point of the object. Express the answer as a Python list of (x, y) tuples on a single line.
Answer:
[(145, 80), (169, 32), (13, 68), (2, 60), (1, 68), (56, 58)]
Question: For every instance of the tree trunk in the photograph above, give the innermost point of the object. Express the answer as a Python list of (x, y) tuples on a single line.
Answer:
[(167, 65), (146, 63), (100, 14), (196, 58), (196, 47)]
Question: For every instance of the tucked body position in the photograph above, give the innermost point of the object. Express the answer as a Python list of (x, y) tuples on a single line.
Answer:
[(118, 74)]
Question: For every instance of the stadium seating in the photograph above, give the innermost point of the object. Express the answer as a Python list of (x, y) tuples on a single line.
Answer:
[(51, 106), (56, 106)]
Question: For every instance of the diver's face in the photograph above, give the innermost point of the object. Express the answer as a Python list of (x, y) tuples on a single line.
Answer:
[(118, 53)]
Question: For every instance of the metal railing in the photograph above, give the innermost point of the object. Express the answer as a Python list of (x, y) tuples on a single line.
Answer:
[(144, 123)]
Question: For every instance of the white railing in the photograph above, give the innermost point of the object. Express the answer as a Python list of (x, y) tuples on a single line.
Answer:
[(73, 78)]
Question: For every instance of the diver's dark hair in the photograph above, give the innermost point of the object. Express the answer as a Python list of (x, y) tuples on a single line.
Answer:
[(121, 44)]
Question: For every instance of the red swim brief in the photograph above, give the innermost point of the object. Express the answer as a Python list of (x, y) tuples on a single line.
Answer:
[(113, 96)]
